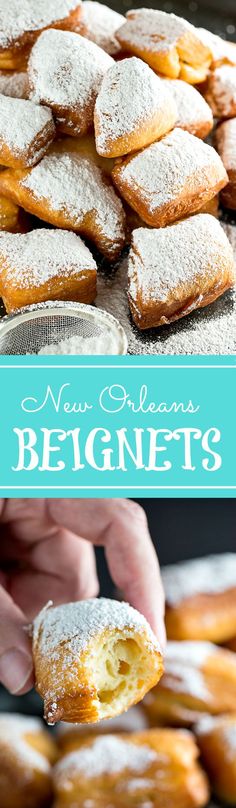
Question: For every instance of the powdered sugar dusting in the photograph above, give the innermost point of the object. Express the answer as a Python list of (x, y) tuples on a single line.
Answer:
[(184, 664), (106, 755), (21, 122), (225, 727), (14, 84), (221, 91), (130, 96), (104, 343), (209, 575), (193, 110), (226, 143), (101, 23), (189, 652), (222, 50), (74, 185), (30, 16), (153, 29), (163, 260), (13, 728), (32, 259), (161, 171), (66, 69)]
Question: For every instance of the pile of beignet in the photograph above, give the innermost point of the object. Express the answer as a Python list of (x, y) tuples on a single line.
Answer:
[(101, 134)]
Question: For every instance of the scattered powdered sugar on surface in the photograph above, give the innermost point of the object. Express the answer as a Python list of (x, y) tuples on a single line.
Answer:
[(225, 728), (32, 259), (131, 95), (14, 85), (104, 343), (139, 783), (220, 48), (183, 663), (134, 720), (73, 184), (154, 30), (66, 69), (21, 122), (165, 259), (18, 18), (13, 728), (161, 171), (209, 575), (106, 755), (191, 106), (222, 89), (77, 623), (226, 143), (190, 653), (101, 24)]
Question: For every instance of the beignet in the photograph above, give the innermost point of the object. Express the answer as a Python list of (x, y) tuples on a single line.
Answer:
[(156, 768), (71, 736), (199, 678), (223, 51), (70, 191), (220, 91), (26, 754), (65, 73), (169, 44), (12, 218), (201, 598), (193, 113), (14, 84), (26, 132), (18, 31), (225, 140), (45, 265), (217, 741), (93, 659), (175, 270), (133, 108), (170, 179), (99, 23)]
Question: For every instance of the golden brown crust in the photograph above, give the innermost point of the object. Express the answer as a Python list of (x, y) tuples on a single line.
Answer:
[(31, 155), (173, 778), (220, 91), (216, 739), (26, 756), (203, 617), (225, 140), (12, 218)]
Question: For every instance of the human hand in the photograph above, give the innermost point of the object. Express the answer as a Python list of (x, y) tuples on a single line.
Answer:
[(47, 552)]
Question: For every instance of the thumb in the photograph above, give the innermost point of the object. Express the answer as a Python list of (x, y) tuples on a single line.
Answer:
[(16, 664)]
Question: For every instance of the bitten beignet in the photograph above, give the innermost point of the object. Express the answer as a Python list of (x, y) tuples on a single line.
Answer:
[(133, 108), (217, 741), (170, 179), (26, 132), (156, 768), (18, 31), (65, 73), (70, 191), (100, 23), (93, 659), (169, 44), (193, 113), (26, 754), (199, 678), (174, 270), (220, 91), (201, 598), (45, 265), (225, 140)]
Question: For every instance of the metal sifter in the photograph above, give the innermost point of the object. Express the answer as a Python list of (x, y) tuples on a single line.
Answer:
[(34, 328)]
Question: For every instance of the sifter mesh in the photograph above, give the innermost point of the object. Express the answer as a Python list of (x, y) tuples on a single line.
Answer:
[(35, 327)]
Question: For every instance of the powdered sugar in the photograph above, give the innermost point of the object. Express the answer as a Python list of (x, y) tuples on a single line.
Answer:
[(160, 172), (66, 70), (226, 143), (184, 664), (221, 91), (13, 728), (209, 575), (106, 755), (14, 84), (190, 653), (104, 343), (222, 50), (100, 24), (131, 96), (31, 16), (21, 122), (163, 260), (153, 29), (32, 259), (193, 111), (74, 185), (78, 623)]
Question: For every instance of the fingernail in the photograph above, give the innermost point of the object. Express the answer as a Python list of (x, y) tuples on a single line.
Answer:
[(15, 669)]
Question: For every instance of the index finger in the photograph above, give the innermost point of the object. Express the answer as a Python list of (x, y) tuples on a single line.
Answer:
[(120, 526)]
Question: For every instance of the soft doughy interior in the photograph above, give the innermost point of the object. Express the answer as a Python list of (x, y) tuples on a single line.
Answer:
[(118, 670)]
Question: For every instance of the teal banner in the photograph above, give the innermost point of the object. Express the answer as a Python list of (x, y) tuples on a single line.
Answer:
[(115, 426)]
